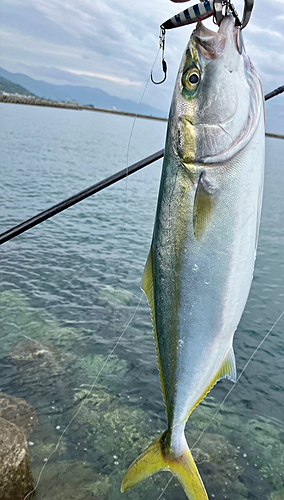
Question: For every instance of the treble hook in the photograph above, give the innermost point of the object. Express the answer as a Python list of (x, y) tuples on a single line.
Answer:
[(162, 39)]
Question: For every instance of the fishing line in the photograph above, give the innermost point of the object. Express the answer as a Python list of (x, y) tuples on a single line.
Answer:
[(228, 394), (164, 489), (85, 399)]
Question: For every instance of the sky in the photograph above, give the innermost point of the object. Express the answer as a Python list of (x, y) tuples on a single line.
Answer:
[(112, 44)]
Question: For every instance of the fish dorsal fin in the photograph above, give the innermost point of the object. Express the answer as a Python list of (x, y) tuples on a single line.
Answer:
[(203, 206), (148, 287), (228, 369)]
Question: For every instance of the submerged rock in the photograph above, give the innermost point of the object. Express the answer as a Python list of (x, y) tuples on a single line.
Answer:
[(20, 320), (120, 295), (204, 413), (39, 451), (105, 416), (266, 441), (277, 495), (37, 363), (72, 480), (30, 350), (18, 411), (15, 473), (215, 446), (113, 371), (216, 459)]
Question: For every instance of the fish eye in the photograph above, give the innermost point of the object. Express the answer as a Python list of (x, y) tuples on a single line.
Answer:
[(191, 79)]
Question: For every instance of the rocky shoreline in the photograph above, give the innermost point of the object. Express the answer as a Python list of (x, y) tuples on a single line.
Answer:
[(16, 479), (37, 101)]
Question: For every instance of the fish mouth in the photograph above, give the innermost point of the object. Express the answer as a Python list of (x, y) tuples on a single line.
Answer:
[(211, 44)]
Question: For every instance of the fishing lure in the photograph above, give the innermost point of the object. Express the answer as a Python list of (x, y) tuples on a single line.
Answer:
[(208, 8), (193, 14), (200, 12)]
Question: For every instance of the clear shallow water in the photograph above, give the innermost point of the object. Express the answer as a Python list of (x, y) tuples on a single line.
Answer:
[(59, 320)]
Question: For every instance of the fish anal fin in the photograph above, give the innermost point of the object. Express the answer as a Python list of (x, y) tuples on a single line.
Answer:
[(148, 287), (203, 206), (228, 369)]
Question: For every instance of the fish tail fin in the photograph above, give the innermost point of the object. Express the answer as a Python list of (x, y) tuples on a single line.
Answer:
[(156, 458)]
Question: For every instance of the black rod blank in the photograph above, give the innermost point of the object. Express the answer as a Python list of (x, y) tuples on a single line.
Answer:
[(275, 92), (95, 188)]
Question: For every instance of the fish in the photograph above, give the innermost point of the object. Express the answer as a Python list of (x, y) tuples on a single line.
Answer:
[(201, 261)]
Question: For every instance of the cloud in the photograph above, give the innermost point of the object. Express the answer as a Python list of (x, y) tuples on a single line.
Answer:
[(113, 44), (122, 81)]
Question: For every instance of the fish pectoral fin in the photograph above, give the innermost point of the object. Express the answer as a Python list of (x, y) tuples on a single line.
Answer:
[(228, 369), (156, 458), (203, 205)]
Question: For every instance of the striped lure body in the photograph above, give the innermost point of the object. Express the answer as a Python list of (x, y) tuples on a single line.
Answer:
[(200, 266), (197, 12)]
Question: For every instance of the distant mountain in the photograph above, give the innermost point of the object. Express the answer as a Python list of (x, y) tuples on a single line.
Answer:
[(12, 88), (83, 95)]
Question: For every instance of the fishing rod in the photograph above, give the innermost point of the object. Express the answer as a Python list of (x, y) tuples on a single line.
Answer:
[(95, 188)]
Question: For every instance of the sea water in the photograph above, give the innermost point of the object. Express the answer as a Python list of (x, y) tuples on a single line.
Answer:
[(71, 285)]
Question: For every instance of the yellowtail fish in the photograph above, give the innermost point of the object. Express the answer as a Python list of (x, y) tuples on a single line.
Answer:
[(200, 266)]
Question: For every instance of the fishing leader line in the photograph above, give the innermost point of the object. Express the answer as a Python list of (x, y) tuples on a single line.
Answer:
[(228, 394), (164, 489)]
